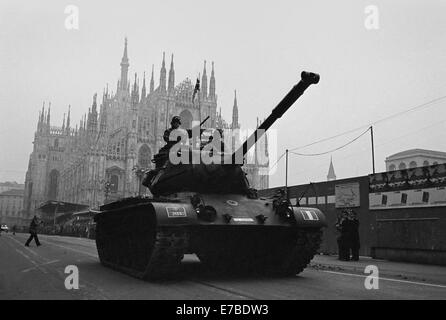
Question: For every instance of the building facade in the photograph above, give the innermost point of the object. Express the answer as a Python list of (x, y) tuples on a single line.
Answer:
[(98, 157), (11, 207), (8, 185), (414, 158)]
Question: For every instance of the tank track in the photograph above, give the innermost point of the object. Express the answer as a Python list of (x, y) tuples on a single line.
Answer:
[(157, 259), (307, 245), (281, 259), (168, 251)]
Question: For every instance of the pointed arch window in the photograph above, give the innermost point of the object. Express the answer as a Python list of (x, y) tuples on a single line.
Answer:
[(144, 156)]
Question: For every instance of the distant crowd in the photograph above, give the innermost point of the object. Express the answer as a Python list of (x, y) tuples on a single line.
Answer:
[(80, 230), (84, 230)]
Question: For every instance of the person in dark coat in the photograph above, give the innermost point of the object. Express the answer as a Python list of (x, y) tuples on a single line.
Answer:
[(343, 247), (353, 235), (33, 231)]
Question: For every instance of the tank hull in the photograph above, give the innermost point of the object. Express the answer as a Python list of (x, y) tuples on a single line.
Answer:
[(147, 238)]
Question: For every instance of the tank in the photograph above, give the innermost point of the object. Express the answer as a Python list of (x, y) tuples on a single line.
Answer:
[(210, 209)]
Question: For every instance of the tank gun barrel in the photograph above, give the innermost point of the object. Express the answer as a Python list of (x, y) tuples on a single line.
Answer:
[(307, 79)]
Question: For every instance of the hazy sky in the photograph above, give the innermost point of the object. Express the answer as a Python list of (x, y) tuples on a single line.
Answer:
[(259, 48)]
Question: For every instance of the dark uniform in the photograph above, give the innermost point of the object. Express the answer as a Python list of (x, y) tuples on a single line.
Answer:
[(163, 154), (343, 248), (353, 236), (348, 240), (33, 232)]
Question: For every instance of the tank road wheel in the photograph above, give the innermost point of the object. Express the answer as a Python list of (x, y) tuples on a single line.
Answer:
[(167, 253), (216, 262), (279, 252), (296, 259), (131, 242)]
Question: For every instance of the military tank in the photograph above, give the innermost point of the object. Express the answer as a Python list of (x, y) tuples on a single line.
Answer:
[(209, 209)]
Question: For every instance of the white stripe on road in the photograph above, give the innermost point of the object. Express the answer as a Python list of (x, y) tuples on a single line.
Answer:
[(42, 264), (58, 245), (36, 265), (28, 249), (68, 248), (387, 279)]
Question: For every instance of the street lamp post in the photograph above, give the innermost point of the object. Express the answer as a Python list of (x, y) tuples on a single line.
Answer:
[(139, 172), (286, 175), (373, 149)]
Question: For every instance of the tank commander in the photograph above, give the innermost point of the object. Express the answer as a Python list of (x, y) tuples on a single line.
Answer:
[(175, 124), (171, 138)]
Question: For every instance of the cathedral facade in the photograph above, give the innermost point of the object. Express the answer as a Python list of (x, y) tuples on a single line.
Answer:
[(99, 158)]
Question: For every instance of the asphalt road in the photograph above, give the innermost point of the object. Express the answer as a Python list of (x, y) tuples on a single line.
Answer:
[(38, 273)]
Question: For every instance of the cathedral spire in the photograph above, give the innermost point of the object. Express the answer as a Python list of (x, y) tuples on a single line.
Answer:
[(63, 122), (94, 105), (48, 115), (204, 82), (124, 68), (68, 118), (235, 124), (331, 173), (92, 123), (171, 85), (143, 90), (42, 113), (152, 82), (135, 92), (256, 149), (103, 117), (212, 83), (162, 85)]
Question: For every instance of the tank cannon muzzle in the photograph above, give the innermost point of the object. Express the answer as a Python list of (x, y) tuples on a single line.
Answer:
[(310, 77)]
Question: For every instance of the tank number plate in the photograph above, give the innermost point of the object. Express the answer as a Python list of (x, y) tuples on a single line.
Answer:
[(178, 212), (244, 220), (309, 215)]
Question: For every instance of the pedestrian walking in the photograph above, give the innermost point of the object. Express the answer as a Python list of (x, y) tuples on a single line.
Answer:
[(33, 231)]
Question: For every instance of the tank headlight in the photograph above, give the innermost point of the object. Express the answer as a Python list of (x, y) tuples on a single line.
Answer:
[(207, 213)]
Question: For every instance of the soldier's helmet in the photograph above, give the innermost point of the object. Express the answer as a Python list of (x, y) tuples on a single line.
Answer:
[(176, 119)]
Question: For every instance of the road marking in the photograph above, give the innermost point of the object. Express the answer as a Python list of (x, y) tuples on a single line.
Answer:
[(28, 249), (36, 265), (230, 292), (78, 251), (42, 264), (388, 279)]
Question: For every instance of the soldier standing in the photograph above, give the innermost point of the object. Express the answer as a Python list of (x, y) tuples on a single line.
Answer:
[(163, 153), (353, 235), (343, 245), (33, 231)]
